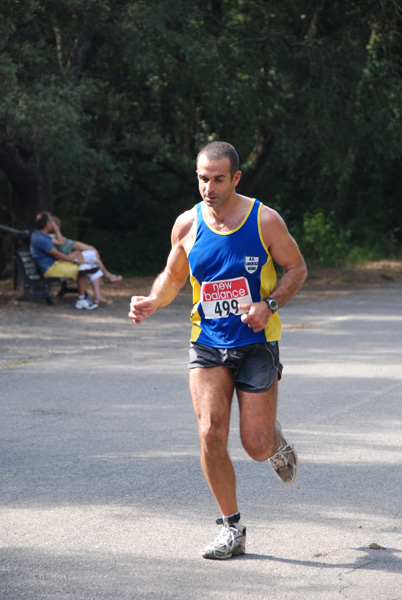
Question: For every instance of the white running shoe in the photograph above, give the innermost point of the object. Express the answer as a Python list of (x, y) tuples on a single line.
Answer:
[(231, 541), (285, 462), (86, 303)]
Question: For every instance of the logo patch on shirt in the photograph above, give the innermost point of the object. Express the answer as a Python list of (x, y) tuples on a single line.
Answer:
[(251, 263), (221, 298)]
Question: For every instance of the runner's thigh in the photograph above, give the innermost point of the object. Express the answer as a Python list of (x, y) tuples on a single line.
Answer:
[(212, 391), (257, 415)]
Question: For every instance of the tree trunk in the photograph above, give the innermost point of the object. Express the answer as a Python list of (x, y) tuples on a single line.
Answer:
[(29, 184), (352, 153), (256, 164)]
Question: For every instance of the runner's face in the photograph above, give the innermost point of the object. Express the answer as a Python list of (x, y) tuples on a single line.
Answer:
[(214, 181)]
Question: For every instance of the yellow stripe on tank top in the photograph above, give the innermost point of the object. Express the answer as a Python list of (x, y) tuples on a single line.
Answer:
[(267, 286), (195, 315)]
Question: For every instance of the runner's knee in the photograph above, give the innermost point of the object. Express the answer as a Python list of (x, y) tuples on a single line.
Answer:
[(213, 433), (258, 449)]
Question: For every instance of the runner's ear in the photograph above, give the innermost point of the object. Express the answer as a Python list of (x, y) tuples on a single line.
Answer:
[(236, 178)]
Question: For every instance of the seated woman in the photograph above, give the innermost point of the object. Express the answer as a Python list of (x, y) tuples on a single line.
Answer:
[(90, 255)]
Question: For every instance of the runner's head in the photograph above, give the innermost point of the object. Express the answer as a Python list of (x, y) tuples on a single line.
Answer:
[(216, 181), (218, 150)]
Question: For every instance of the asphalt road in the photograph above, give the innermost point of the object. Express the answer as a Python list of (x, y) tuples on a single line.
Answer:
[(102, 495)]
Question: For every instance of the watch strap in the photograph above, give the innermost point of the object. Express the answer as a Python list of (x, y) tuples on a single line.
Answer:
[(271, 301)]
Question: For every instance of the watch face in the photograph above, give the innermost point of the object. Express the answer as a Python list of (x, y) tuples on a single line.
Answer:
[(273, 305)]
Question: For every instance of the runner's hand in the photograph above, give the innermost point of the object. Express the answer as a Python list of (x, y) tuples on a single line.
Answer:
[(141, 307), (257, 315)]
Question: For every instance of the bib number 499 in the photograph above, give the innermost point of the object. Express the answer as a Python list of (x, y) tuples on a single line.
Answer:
[(223, 309)]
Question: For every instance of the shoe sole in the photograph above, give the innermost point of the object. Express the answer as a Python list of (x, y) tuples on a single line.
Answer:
[(86, 307), (240, 549), (236, 552), (295, 466)]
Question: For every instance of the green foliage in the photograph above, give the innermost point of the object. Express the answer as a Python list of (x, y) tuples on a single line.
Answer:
[(130, 233), (321, 243), (324, 244), (115, 98)]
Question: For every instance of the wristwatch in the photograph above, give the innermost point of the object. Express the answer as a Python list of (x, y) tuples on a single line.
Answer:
[(272, 304)]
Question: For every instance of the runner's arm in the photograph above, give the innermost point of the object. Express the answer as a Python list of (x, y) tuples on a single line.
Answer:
[(285, 251), (168, 283)]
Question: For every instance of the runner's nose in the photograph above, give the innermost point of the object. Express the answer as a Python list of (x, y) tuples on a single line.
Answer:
[(209, 187)]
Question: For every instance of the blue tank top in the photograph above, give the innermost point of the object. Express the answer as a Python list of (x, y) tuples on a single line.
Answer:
[(227, 269)]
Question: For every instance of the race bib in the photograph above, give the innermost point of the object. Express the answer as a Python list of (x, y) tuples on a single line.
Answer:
[(219, 299)]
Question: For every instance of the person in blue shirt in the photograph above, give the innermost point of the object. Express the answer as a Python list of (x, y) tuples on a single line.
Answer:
[(53, 263), (227, 244)]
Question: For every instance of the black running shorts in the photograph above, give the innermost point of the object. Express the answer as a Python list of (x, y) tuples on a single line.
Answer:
[(254, 367)]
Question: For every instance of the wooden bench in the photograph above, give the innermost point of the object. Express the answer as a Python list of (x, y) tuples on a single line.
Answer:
[(34, 285)]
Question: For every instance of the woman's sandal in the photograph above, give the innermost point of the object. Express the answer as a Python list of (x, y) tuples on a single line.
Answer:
[(113, 278), (102, 302)]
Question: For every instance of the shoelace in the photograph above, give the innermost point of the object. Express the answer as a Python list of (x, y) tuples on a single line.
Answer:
[(223, 535), (280, 460)]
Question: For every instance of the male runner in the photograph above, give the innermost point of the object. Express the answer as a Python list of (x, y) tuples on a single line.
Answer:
[(227, 244)]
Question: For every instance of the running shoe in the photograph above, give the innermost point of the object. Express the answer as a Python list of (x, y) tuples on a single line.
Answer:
[(285, 461), (231, 541), (86, 303)]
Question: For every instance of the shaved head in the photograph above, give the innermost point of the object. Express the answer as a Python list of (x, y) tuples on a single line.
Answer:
[(218, 150)]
